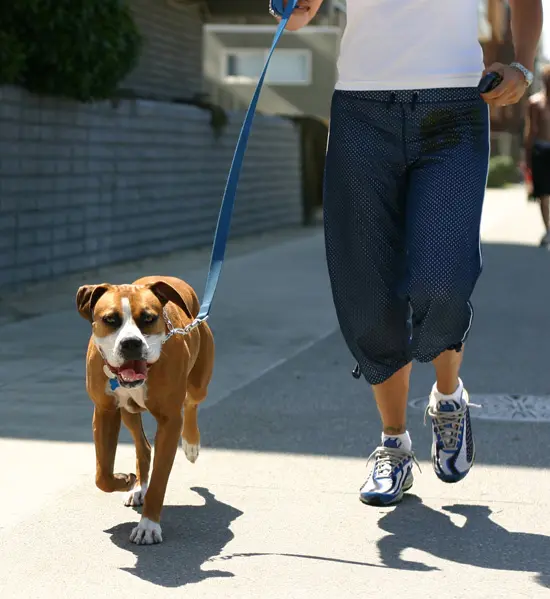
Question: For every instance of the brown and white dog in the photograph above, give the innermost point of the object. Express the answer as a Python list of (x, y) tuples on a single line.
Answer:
[(133, 364)]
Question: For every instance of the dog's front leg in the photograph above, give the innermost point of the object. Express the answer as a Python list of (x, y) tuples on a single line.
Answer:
[(148, 531), (134, 424), (106, 427)]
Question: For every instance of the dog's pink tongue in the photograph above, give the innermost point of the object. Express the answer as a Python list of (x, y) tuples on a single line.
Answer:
[(135, 371)]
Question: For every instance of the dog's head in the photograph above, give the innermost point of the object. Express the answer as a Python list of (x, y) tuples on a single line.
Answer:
[(128, 325)]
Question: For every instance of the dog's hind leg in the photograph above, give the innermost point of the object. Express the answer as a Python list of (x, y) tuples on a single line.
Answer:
[(133, 422), (197, 390), (191, 438)]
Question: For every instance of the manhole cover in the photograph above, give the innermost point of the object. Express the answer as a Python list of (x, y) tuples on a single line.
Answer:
[(523, 408)]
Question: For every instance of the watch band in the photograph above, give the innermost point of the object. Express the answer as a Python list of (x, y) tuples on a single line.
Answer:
[(525, 72)]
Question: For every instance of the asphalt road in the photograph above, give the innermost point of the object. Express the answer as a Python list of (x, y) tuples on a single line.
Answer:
[(270, 509)]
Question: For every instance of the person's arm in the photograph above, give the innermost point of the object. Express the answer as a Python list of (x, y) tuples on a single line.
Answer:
[(526, 25), (303, 13)]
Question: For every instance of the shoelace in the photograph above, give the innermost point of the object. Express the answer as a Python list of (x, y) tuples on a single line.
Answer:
[(387, 458), (447, 424)]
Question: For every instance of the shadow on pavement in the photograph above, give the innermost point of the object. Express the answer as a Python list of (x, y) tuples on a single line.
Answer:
[(193, 535), (319, 558), (311, 404), (479, 542)]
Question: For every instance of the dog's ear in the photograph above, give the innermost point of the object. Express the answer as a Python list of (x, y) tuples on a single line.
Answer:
[(87, 297), (185, 297)]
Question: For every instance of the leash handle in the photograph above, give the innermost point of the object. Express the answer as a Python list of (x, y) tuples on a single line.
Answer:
[(226, 210)]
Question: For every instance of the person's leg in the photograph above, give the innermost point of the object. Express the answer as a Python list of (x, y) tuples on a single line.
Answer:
[(449, 150), (545, 211), (544, 202), (364, 217), (391, 400), (447, 368), (540, 160)]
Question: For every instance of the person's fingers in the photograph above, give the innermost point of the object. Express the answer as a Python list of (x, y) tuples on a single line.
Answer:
[(500, 89), (507, 99), (494, 97), (515, 94), (497, 94), (496, 67)]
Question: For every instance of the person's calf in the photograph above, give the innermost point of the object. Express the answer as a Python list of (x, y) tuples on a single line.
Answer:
[(447, 368), (391, 399)]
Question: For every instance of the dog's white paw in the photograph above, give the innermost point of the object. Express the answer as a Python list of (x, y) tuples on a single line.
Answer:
[(191, 451), (146, 532), (136, 496)]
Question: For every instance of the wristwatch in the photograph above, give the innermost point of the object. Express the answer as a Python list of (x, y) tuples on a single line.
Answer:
[(525, 72)]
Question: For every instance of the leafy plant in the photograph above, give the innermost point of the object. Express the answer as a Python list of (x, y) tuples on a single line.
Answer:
[(79, 49), (502, 171), (12, 57)]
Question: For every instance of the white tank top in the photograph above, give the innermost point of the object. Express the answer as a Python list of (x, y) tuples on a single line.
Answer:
[(410, 44)]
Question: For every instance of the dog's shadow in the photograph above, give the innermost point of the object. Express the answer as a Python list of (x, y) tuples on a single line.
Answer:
[(193, 535)]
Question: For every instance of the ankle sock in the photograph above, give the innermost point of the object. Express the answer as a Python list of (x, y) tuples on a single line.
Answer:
[(436, 396), (403, 440)]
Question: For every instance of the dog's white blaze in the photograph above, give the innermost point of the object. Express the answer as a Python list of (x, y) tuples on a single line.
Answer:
[(129, 328), (110, 345)]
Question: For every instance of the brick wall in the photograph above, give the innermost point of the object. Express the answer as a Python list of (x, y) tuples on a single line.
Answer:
[(87, 185), (170, 65)]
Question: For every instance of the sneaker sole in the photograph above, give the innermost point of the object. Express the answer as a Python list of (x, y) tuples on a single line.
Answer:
[(379, 501)]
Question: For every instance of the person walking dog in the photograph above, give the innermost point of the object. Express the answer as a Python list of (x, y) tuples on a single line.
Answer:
[(405, 177)]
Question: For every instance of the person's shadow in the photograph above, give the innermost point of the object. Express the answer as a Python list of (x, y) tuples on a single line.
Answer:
[(192, 536), (480, 542)]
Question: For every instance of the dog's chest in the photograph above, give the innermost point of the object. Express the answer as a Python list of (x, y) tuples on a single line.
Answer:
[(131, 400)]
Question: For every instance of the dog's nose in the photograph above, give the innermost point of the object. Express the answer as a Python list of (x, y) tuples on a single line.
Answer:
[(132, 347)]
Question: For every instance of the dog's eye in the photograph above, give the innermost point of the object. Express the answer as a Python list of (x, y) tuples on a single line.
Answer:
[(148, 318), (112, 320)]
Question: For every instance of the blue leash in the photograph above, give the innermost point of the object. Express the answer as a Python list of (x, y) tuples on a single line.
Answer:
[(226, 211)]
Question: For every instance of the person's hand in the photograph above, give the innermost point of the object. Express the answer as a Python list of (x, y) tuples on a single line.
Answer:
[(511, 88), (300, 15), (302, 6)]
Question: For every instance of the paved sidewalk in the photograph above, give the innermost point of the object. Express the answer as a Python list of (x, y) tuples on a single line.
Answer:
[(270, 509)]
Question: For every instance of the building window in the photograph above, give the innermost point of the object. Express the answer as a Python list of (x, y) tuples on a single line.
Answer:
[(287, 67)]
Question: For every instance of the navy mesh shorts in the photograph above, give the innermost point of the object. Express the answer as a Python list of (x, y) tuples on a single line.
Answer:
[(404, 185)]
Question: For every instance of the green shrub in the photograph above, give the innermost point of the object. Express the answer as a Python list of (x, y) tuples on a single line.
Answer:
[(79, 49), (502, 171), (12, 58)]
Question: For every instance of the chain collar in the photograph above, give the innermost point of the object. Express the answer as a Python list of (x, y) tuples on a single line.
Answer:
[(184, 331)]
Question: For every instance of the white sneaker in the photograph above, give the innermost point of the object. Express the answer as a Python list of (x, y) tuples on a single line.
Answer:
[(453, 448), (391, 474)]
